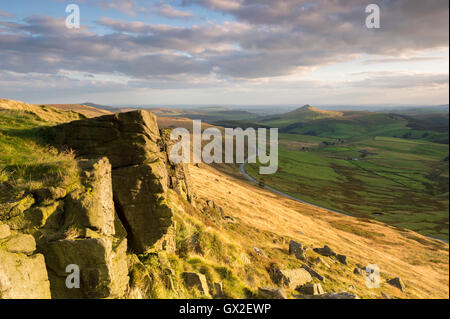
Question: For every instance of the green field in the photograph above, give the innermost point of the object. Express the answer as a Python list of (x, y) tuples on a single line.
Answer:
[(402, 182)]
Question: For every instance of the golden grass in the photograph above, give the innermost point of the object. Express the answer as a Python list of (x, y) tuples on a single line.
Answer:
[(45, 113), (86, 110), (421, 262)]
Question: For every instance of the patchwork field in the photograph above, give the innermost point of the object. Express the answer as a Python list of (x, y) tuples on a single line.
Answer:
[(402, 182)]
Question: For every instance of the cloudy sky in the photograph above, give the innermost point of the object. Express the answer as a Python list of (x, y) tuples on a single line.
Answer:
[(225, 52)]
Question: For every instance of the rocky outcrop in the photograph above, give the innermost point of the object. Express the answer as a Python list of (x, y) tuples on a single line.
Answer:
[(123, 201), (84, 234), (23, 274), (141, 171)]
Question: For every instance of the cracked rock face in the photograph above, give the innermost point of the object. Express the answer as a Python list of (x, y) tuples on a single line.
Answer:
[(141, 171), (86, 235)]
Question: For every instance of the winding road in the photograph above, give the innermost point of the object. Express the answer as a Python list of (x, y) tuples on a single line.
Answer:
[(246, 175)]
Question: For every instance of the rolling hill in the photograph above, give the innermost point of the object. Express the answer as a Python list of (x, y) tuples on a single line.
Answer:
[(231, 232)]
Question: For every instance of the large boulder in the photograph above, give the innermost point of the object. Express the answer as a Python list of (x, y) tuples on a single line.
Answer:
[(290, 278), (140, 194), (23, 274), (141, 171), (126, 139), (103, 267)]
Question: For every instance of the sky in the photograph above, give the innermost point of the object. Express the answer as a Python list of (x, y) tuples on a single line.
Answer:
[(218, 52)]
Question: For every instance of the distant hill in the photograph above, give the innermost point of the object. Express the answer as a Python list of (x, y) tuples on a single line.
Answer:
[(303, 114), (102, 107), (86, 110), (310, 113), (309, 120)]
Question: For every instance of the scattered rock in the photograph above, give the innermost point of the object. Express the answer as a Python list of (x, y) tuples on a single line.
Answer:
[(196, 280), (325, 251), (297, 250), (290, 278), (24, 244), (342, 259), (357, 271), (312, 289), (272, 293), (397, 283), (313, 273)]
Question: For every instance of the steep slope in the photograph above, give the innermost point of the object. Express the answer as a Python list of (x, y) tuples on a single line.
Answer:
[(421, 262)]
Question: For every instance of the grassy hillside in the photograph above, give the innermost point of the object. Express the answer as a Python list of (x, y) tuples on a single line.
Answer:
[(27, 161), (268, 221), (86, 110)]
